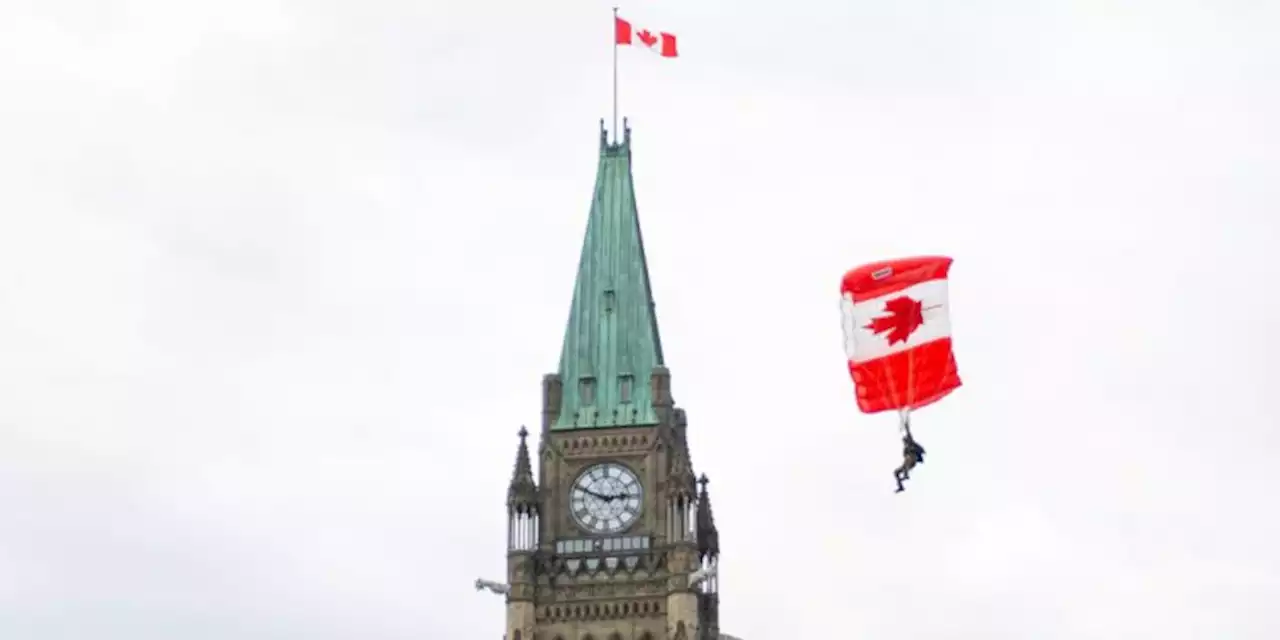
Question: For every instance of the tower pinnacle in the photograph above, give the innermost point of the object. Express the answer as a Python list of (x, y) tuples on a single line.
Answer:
[(522, 493), (708, 536)]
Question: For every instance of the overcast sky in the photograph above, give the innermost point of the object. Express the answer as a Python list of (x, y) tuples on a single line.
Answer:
[(279, 280)]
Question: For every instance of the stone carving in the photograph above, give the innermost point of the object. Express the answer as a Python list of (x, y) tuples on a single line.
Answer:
[(700, 575), (495, 587), (587, 447)]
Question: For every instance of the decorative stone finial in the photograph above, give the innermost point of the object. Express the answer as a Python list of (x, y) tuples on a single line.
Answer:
[(524, 433)]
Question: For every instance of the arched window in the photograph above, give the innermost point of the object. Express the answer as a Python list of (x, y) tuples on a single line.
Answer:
[(681, 634)]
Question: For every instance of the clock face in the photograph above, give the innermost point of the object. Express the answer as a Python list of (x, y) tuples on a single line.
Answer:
[(606, 498)]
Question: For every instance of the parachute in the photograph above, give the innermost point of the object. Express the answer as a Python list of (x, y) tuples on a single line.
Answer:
[(897, 334)]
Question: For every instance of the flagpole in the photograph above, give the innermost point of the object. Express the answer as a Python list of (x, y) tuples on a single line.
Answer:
[(615, 75)]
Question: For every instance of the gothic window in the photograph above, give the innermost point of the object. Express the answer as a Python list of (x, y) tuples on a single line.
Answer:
[(587, 390), (516, 635), (624, 387)]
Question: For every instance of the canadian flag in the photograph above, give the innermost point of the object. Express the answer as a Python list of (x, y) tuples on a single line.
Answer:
[(897, 331), (662, 43)]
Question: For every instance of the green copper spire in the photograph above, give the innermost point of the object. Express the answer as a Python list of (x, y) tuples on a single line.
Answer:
[(611, 344)]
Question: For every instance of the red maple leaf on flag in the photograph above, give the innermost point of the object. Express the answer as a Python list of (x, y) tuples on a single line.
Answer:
[(647, 38), (905, 316)]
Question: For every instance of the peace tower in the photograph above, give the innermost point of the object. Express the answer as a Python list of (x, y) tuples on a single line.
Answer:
[(614, 539)]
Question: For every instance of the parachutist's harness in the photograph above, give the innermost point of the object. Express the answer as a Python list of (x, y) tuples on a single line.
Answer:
[(912, 454)]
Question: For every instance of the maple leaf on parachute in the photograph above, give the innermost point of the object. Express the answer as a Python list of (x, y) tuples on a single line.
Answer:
[(896, 362), (905, 316)]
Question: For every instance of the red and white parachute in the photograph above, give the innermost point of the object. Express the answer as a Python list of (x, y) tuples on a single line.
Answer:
[(897, 333)]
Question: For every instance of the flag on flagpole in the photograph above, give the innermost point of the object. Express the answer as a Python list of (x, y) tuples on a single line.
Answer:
[(661, 43)]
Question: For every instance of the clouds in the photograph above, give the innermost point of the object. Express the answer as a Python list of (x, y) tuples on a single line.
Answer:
[(279, 282)]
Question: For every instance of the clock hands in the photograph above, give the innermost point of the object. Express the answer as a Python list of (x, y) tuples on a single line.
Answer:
[(594, 494), (616, 496)]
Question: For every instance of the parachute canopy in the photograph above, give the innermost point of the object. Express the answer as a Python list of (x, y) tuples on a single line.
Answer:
[(897, 333)]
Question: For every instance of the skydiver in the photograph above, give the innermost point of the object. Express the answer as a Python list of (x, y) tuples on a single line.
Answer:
[(912, 454)]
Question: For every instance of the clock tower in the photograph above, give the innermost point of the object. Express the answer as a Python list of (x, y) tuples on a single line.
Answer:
[(613, 538)]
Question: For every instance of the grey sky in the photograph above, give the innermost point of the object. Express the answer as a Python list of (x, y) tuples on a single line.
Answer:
[(279, 280)]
